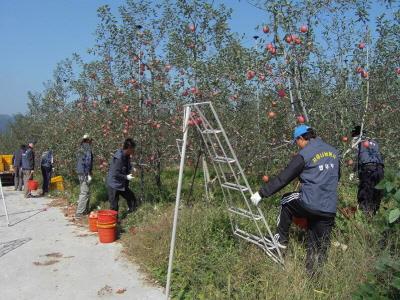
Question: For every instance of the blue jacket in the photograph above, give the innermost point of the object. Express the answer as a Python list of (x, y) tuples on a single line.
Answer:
[(84, 163), (28, 159), (120, 167), (17, 158), (370, 154), (320, 176)]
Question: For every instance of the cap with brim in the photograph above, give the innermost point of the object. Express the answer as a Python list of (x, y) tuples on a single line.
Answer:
[(299, 131), (85, 136)]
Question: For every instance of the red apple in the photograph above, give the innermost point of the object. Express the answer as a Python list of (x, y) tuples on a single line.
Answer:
[(398, 71), (265, 29), (350, 162), (265, 178), (297, 41), (192, 28), (269, 46), (271, 114), (303, 28), (198, 121), (361, 45), (288, 38), (281, 93), (345, 139), (364, 74), (250, 74), (273, 51), (301, 119), (365, 144)]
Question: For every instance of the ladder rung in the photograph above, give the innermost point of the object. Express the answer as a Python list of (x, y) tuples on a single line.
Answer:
[(234, 186), (207, 131), (224, 159), (244, 213)]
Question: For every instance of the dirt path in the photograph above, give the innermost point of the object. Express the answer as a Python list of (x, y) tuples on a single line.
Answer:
[(44, 256)]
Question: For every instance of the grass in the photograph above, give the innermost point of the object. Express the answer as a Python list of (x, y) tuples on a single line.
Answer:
[(210, 263)]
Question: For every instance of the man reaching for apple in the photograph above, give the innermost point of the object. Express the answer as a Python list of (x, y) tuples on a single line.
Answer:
[(119, 176), (317, 166), (370, 171)]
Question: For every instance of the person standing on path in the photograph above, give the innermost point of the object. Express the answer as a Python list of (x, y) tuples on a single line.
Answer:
[(46, 166), (84, 168), (17, 163), (370, 170), (28, 167), (119, 176), (317, 166)]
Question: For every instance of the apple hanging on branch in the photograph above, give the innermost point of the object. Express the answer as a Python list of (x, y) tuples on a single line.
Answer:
[(265, 178), (250, 74), (361, 45), (265, 29), (303, 29), (301, 119)]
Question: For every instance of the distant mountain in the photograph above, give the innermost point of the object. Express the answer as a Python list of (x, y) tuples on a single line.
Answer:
[(4, 121)]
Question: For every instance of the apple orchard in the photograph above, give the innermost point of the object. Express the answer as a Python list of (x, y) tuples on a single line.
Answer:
[(325, 63)]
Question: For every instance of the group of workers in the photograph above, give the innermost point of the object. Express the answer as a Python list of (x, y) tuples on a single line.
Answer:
[(317, 166), (24, 167)]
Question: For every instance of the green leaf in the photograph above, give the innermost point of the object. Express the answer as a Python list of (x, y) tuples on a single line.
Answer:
[(397, 195), (381, 185), (394, 215), (389, 186)]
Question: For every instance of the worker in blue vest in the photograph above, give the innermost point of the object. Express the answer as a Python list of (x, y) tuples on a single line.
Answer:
[(119, 176), (370, 170), (317, 167)]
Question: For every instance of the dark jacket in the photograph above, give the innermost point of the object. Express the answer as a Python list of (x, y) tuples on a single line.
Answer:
[(84, 161), (370, 154), (120, 167), (17, 158), (317, 165), (47, 159), (28, 159)]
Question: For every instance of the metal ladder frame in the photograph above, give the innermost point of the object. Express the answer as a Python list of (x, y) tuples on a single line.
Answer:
[(262, 238)]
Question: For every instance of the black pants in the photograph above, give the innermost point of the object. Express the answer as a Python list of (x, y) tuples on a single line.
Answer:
[(46, 173), (369, 198), (113, 197), (318, 233)]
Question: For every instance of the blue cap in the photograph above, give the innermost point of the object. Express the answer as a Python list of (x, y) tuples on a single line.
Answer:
[(299, 131)]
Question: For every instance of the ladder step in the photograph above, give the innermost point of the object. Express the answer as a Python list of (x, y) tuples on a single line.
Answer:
[(224, 159), (244, 213), (234, 186), (208, 131)]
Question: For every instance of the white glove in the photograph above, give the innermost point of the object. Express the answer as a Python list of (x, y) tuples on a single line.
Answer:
[(255, 198), (129, 177), (351, 176), (89, 179)]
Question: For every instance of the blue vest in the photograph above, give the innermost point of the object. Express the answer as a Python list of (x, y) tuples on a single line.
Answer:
[(84, 160), (28, 160), (370, 154), (319, 179)]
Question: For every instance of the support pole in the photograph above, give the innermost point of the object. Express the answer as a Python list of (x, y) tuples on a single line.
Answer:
[(4, 203), (178, 198)]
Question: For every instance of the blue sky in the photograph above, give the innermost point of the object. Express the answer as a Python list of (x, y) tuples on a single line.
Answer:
[(36, 34)]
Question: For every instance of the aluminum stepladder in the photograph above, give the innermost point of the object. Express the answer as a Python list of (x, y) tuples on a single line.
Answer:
[(244, 216)]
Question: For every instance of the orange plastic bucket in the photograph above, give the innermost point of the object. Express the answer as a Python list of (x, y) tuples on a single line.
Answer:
[(33, 185), (302, 223), (107, 216), (107, 233), (93, 224)]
